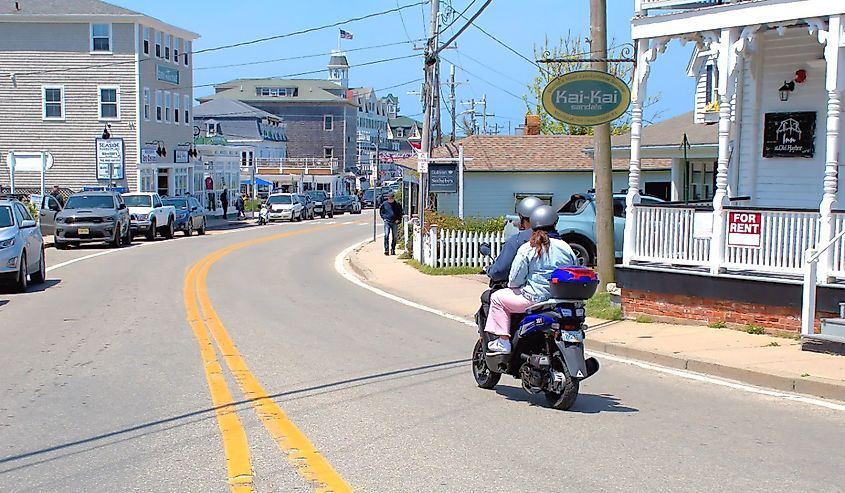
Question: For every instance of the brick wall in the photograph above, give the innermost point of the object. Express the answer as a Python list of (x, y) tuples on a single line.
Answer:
[(686, 309)]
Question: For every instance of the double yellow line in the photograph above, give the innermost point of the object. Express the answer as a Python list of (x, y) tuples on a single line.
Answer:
[(207, 327)]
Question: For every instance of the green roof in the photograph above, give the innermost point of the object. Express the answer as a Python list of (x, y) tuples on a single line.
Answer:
[(403, 121)]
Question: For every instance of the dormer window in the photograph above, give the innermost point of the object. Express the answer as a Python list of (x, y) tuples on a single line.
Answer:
[(212, 129)]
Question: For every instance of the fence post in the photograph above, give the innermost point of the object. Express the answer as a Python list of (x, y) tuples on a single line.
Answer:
[(433, 246), (405, 221), (808, 305), (418, 243)]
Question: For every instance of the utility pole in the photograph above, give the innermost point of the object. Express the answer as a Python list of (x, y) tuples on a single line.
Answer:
[(429, 91), (471, 112), (602, 170), (484, 113), (452, 84)]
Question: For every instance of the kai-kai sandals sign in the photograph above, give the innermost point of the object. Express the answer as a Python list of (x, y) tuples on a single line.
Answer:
[(586, 97)]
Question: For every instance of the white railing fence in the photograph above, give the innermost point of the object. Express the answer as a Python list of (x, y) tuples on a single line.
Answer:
[(808, 301), (785, 236), (837, 250), (668, 234), (450, 248)]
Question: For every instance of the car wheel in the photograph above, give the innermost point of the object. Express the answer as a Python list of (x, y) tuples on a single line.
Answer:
[(22, 282), (169, 229), (115, 242), (323, 215), (151, 234), (331, 214), (202, 229), (583, 254), (189, 227), (41, 275), (60, 245), (127, 238)]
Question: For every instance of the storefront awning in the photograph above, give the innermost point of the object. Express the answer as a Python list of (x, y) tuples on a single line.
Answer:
[(258, 182)]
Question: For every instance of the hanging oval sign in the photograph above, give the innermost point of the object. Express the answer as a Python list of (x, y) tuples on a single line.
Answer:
[(586, 97)]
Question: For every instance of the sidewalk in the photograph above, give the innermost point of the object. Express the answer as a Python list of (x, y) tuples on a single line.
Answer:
[(761, 360)]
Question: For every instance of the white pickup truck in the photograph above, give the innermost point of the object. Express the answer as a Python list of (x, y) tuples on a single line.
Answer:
[(149, 215)]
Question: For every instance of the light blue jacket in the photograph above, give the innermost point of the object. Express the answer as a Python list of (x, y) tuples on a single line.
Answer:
[(531, 273)]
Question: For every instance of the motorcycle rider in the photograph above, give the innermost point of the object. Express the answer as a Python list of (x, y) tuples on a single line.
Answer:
[(529, 278)]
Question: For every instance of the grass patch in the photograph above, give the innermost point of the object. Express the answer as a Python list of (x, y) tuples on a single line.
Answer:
[(443, 271), (754, 329), (772, 344), (600, 306), (717, 325), (643, 319)]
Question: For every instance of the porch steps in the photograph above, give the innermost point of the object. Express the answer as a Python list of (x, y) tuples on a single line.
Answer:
[(830, 340)]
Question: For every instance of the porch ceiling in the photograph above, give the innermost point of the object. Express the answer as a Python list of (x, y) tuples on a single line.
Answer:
[(732, 15)]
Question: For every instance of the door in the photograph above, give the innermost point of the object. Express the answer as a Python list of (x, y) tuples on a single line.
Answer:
[(47, 214), (163, 183), (618, 225), (32, 237)]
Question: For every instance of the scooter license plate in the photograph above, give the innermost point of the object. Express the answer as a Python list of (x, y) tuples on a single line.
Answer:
[(83, 231), (572, 336)]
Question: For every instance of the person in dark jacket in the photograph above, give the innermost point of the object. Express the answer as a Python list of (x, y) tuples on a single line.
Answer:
[(224, 202), (240, 206), (57, 194), (501, 267), (391, 213)]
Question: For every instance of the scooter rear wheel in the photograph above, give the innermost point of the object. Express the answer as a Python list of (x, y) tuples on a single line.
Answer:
[(565, 399), (484, 377)]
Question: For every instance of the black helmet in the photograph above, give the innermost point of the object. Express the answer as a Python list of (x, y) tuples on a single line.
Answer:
[(543, 217), (527, 206)]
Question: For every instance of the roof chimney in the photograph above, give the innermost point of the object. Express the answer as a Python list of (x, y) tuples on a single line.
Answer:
[(532, 124)]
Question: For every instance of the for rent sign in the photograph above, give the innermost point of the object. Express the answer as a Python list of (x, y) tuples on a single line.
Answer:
[(745, 229)]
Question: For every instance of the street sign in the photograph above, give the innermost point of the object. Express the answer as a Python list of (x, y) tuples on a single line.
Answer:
[(745, 229), (109, 158), (422, 163), (443, 178), (586, 97), (29, 161)]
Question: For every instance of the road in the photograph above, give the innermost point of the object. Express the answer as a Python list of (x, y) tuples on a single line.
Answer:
[(117, 377)]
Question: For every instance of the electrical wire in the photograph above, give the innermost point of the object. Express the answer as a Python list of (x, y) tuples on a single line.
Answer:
[(461, 14), (302, 57), (488, 82)]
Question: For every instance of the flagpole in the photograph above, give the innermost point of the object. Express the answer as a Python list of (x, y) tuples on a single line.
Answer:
[(338, 40)]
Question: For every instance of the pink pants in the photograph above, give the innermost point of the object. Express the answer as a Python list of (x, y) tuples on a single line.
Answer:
[(502, 304)]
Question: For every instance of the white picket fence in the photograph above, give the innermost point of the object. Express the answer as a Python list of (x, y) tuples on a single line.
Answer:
[(448, 248)]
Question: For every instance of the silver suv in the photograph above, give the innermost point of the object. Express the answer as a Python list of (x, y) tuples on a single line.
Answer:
[(21, 246)]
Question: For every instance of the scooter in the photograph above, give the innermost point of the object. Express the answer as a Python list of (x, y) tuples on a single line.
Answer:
[(263, 215), (547, 341)]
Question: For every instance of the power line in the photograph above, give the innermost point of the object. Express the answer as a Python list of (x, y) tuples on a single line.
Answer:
[(461, 14), (310, 29), (301, 57), (495, 70), (402, 18), (487, 82)]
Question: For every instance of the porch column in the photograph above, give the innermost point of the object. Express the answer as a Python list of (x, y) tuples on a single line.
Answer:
[(834, 86), (645, 56), (727, 84)]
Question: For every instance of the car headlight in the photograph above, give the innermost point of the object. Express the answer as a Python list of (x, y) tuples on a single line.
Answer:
[(108, 219), (7, 243)]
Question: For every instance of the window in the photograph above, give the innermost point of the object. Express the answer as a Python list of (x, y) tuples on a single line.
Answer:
[(167, 102), (158, 44), (187, 52), (147, 103), (177, 106), (400, 132), (167, 39), (275, 92), (711, 85), (177, 47), (109, 105), (53, 98), (187, 109), (328, 152), (146, 40), (158, 105), (546, 198), (101, 38), (328, 123)]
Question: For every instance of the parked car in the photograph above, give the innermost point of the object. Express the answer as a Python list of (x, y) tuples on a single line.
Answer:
[(370, 198), (92, 217), (284, 206), (47, 207), (347, 203), (323, 204), (190, 215), (309, 205), (21, 246), (150, 215)]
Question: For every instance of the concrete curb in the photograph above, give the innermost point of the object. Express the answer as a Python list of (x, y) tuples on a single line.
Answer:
[(807, 386)]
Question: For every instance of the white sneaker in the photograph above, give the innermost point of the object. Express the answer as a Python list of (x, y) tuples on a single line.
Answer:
[(499, 346)]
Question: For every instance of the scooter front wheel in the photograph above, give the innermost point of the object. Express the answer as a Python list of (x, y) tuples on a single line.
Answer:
[(484, 377)]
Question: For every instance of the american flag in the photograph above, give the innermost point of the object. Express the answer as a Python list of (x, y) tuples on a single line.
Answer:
[(345, 34)]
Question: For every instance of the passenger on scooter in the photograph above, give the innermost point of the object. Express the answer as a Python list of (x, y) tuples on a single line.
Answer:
[(501, 268), (529, 279)]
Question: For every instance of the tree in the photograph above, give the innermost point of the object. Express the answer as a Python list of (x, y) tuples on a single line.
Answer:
[(573, 47)]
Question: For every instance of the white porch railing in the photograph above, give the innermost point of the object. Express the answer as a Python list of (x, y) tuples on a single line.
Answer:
[(785, 236), (303, 163), (666, 234), (837, 250)]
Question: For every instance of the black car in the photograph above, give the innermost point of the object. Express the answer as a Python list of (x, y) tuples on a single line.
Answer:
[(368, 200), (323, 204)]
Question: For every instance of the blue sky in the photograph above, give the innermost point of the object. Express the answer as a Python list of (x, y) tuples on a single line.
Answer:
[(501, 75)]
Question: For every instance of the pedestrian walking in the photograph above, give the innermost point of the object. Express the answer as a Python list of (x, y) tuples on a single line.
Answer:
[(224, 202), (240, 206), (57, 194), (391, 213)]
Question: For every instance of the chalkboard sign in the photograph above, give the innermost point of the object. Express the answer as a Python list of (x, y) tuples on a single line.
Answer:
[(790, 134)]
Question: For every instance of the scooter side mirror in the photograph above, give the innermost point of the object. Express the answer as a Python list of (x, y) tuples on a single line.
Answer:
[(485, 249)]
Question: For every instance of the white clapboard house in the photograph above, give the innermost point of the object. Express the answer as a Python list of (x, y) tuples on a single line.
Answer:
[(771, 79)]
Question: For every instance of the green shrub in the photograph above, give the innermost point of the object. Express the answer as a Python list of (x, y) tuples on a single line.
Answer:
[(643, 319), (718, 324), (252, 205), (754, 329), (471, 224)]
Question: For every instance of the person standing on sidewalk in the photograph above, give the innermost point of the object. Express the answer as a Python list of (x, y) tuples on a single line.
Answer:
[(57, 194), (240, 206), (391, 213), (224, 202)]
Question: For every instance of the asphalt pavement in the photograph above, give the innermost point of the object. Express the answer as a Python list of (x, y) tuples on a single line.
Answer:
[(104, 387)]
